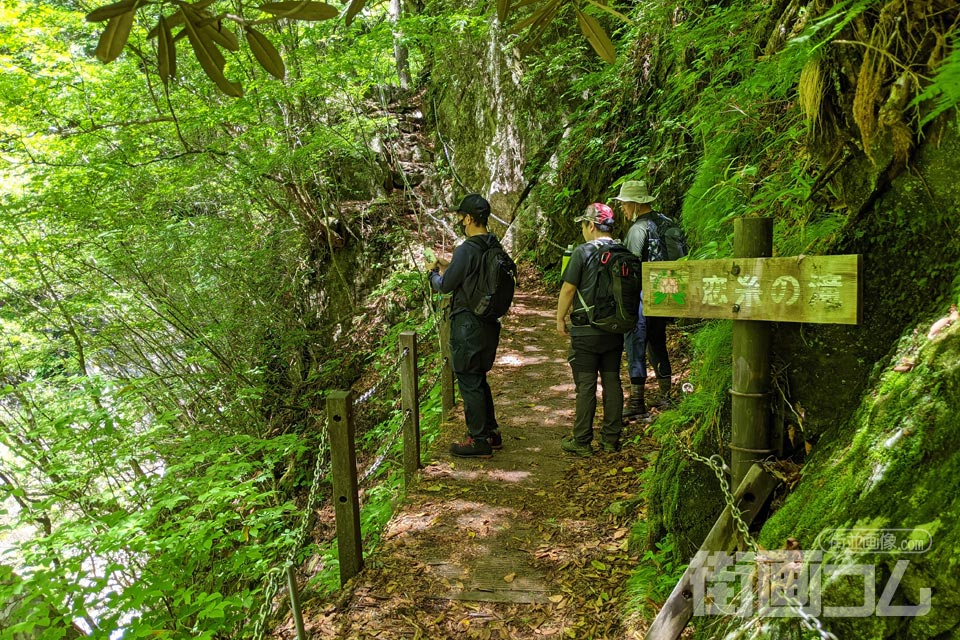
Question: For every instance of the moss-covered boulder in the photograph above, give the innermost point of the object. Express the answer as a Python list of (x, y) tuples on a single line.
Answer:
[(894, 469)]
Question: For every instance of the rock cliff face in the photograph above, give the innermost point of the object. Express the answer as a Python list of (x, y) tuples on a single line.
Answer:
[(483, 121), (817, 133)]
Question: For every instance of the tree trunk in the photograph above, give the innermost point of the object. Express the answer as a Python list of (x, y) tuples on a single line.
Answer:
[(399, 50)]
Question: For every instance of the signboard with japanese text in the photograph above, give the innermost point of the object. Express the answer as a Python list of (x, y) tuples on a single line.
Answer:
[(819, 289)]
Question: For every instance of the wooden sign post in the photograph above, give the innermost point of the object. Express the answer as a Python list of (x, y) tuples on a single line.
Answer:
[(753, 289)]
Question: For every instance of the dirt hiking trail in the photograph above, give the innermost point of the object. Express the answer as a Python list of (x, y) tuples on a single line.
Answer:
[(532, 543)]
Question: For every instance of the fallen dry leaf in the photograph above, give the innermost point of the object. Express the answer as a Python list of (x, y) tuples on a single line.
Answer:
[(943, 323), (904, 365)]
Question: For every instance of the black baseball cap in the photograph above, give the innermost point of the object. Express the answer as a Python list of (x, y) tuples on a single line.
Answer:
[(475, 205)]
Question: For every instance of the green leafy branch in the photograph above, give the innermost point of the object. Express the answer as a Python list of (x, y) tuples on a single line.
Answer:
[(207, 34), (211, 33), (544, 15)]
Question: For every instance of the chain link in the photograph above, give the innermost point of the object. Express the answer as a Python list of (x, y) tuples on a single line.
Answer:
[(277, 574), (266, 607), (693, 325), (369, 393), (720, 469), (812, 623), (372, 469)]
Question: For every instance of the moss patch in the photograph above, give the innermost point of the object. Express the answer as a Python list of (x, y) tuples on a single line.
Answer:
[(684, 495), (896, 465)]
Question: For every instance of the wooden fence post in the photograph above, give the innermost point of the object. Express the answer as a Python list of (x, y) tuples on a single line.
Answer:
[(343, 462), (295, 603), (750, 439), (410, 406), (446, 373)]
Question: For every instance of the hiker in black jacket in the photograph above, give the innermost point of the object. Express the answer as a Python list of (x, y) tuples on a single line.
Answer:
[(473, 341)]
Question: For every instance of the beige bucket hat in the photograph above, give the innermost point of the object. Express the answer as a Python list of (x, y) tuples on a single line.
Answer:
[(635, 191)]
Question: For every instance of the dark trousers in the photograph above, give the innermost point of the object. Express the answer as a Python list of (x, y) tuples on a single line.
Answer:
[(657, 346), (589, 356), (473, 348)]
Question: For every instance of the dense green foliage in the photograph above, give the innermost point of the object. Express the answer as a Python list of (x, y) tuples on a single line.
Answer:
[(177, 289), (182, 274)]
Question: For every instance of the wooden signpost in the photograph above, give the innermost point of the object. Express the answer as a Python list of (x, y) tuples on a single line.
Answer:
[(752, 289), (821, 289)]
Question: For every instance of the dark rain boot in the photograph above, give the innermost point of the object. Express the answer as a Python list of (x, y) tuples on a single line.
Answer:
[(636, 408), (666, 399)]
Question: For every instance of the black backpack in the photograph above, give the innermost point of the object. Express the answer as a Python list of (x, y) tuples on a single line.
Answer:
[(616, 300), (495, 283), (670, 242)]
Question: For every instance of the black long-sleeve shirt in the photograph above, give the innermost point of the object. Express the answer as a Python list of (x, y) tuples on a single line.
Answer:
[(460, 276)]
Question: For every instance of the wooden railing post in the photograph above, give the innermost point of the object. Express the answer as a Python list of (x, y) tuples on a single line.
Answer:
[(343, 463), (410, 406), (750, 439), (295, 603), (446, 373)]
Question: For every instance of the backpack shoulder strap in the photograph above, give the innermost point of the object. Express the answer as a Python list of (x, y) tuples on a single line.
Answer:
[(591, 262)]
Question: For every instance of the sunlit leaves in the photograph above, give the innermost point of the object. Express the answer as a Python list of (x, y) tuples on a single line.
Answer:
[(265, 53), (539, 19), (355, 7), (166, 52), (604, 7), (114, 37), (207, 34), (503, 9), (175, 19), (153, 236), (300, 10), (113, 10), (220, 33), (544, 15), (210, 32), (209, 56)]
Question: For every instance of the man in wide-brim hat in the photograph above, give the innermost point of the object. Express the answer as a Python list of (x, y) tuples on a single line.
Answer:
[(643, 239), (635, 191)]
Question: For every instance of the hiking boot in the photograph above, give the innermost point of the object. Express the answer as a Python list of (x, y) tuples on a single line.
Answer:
[(570, 445), (666, 399), (610, 447), (495, 440), (636, 407), (471, 448)]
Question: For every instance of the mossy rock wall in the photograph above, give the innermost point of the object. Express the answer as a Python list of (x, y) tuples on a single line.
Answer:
[(484, 122), (910, 243), (894, 465), (879, 404)]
